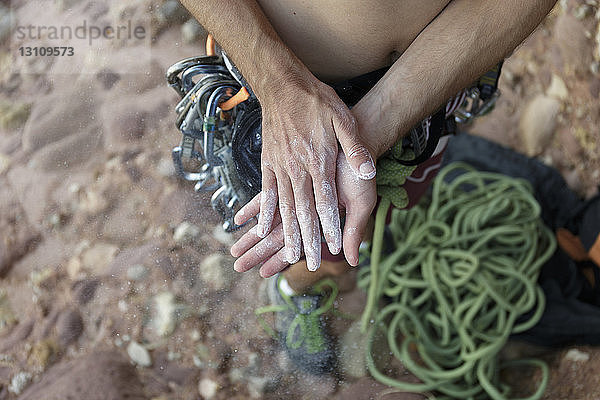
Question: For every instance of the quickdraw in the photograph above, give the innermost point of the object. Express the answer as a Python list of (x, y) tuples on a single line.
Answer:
[(219, 121)]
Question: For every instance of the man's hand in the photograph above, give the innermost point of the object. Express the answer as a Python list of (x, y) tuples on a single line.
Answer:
[(302, 124), (303, 121), (356, 196)]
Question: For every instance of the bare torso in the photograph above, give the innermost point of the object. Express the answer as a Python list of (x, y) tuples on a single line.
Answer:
[(339, 39)]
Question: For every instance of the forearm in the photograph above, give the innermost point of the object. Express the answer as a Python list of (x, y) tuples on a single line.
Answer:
[(247, 36), (461, 44)]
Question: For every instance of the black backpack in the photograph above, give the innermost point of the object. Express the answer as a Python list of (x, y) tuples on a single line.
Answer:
[(571, 278)]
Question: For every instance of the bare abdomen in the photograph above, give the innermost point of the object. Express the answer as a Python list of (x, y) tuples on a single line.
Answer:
[(339, 39)]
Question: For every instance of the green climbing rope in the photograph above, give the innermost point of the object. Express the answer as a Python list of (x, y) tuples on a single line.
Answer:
[(462, 279)]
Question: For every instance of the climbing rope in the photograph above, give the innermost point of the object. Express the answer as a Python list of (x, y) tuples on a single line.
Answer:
[(461, 280)]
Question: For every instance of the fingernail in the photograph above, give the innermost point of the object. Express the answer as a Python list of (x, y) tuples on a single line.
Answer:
[(367, 170), (312, 264), (290, 256), (335, 247), (260, 231)]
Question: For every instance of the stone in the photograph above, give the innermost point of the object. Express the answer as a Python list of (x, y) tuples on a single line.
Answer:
[(64, 5), (223, 237), (139, 354), (70, 151), (13, 115), (538, 123), (69, 326), (95, 259), (574, 182), (165, 313), (4, 163), (6, 23), (113, 378), (258, 386), (85, 290), (171, 13), (107, 78), (137, 272), (208, 388), (17, 237), (166, 168), (575, 355), (192, 32), (557, 88), (124, 125), (570, 36), (351, 355), (7, 316), (217, 272), (19, 382), (42, 353), (582, 11), (186, 233), (57, 116)]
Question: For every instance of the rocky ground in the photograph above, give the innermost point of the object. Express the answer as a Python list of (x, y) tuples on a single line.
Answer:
[(115, 279)]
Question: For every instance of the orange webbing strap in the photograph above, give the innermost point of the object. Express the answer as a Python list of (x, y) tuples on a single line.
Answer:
[(571, 245), (241, 96), (594, 252), (210, 46)]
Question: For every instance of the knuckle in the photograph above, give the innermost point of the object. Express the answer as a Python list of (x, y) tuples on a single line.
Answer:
[(286, 207), (347, 123), (293, 168), (357, 150)]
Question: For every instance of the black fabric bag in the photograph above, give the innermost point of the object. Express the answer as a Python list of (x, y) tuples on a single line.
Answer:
[(572, 314)]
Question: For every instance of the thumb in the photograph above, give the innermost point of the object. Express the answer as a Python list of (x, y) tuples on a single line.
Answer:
[(354, 231), (357, 154)]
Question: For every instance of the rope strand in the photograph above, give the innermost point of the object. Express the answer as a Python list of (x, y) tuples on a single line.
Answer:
[(462, 279)]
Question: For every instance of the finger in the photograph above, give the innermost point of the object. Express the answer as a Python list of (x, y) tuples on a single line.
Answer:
[(287, 210), (268, 202), (250, 210), (329, 214), (354, 230), (261, 252), (249, 239), (308, 221), (274, 264), (357, 154)]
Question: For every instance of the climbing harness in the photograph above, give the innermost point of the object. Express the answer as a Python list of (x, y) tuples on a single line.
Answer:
[(462, 279)]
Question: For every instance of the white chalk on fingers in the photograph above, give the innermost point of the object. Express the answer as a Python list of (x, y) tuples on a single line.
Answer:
[(268, 203), (367, 170)]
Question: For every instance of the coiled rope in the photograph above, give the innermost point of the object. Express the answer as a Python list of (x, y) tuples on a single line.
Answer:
[(462, 279)]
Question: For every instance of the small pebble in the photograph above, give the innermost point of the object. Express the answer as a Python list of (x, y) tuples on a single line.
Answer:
[(223, 237), (19, 382), (139, 354), (195, 335), (165, 168), (137, 272), (558, 88), (4, 163), (208, 388), (192, 31), (186, 233), (575, 355), (217, 271)]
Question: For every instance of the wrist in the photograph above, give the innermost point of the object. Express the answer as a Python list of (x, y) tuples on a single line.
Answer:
[(283, 76), (378, 129)]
